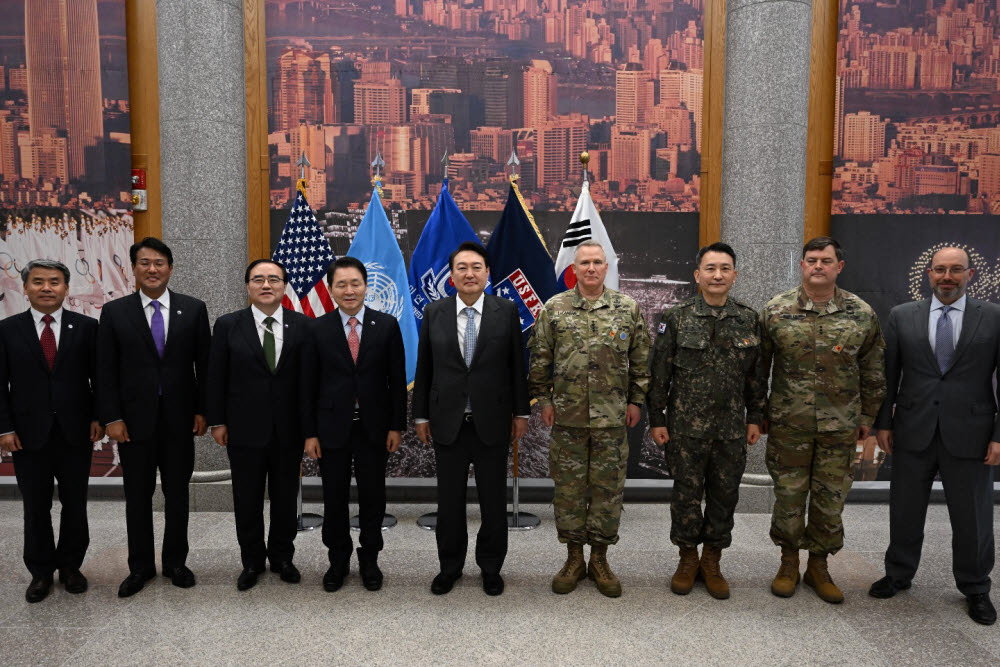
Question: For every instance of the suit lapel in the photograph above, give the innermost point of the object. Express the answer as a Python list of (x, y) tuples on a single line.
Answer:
[(922, 314), (173, 325), (451, 326), (339, 336), (368, 333), (487, 323), (248, 327), (138, 317), (288, 333), (66, 332), (970, 322), (26, 323)]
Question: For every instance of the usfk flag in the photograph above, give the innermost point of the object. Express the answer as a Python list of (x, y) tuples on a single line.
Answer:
[(388, 289), (585, 224)]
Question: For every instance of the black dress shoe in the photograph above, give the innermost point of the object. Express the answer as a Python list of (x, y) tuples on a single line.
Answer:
[(492, 584), (180, 576), (247, 579), (134, 582), (73, 581), (371, 575), (38, 589), (443, 583), (287, 571), (885, 588), (334, 578), (981, 610)]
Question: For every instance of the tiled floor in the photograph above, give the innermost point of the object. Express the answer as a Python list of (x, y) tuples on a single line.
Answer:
[(278, 623)]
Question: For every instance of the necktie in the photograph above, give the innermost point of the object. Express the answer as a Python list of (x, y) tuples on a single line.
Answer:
[(944, 340), (470, 334), (353, 341), (269, 353), (48, 341), (156, 328)]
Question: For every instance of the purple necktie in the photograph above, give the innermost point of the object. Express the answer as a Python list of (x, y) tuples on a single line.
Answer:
[(156, 327)]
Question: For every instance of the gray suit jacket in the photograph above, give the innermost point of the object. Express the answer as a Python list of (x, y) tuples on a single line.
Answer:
[(961, 402)]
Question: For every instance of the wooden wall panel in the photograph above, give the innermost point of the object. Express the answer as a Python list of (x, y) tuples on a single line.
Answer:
[(710, 226), (144, 103), (819, 142)]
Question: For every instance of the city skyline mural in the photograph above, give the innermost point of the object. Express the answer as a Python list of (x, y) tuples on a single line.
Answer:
[(412, 80)]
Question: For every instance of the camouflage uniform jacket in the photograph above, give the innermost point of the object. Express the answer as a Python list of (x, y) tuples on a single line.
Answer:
[(589, 359), (828, 373), (705, 370)]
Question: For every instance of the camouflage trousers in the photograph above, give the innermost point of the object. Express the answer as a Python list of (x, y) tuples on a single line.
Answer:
[(815, 470), (709, 469), (582, 459)]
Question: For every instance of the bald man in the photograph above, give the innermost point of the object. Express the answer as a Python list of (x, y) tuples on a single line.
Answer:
[(940, 416)]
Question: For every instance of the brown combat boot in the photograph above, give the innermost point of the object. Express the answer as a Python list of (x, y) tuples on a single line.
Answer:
[(716, 584), (599, 570), (788, 574), (572, 571), (687, 568), (818, 576)]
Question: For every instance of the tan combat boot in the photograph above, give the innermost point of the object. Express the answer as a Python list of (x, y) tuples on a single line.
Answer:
[(599, 570), (818, 576), (687, 568), (716, 584), (572, 571), (788, 574)]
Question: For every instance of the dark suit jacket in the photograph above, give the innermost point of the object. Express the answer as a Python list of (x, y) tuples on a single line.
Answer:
[(331, 381), (243, 393), (495, 384), (33, 398), (961, 401), (130, 373)]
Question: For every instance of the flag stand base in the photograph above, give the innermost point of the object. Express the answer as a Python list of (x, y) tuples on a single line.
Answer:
[(428, 521), (388, 522)]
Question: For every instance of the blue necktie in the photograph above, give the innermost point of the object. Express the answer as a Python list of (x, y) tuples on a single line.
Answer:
[(944, 341), (156, 328)]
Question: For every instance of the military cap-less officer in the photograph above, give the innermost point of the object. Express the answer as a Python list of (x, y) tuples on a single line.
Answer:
[(705, 357), (590, 372), (827, 385)]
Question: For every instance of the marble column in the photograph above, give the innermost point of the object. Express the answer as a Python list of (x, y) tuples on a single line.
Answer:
[(763, 162), (203, 162)]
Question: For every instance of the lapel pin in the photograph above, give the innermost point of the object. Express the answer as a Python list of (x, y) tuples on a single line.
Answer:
[(286, 326), (69, 326), (178, 312)]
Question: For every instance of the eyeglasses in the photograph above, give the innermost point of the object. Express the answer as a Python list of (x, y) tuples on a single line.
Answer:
[(146, 263), (270, 280), (953, 270)]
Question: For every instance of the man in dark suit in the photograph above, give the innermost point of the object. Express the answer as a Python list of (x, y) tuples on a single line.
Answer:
[(152, 353), (252, 404), (470, 395), (353, 410), (48, 357), (940, 357)]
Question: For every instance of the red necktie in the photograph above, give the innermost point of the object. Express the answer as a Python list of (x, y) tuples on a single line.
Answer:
[(353, 341), (48, 341)]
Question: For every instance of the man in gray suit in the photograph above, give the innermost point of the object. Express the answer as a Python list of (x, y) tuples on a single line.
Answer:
[(940, 357)]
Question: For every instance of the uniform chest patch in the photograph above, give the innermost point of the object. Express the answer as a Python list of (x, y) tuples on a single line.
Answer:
[(623, 335), (662, 328)]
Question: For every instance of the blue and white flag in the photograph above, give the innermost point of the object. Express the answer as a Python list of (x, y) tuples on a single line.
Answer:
[(388, 290), (430, 276)]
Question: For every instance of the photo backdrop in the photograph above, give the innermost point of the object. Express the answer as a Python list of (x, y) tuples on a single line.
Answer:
[(65, 156), (916, 152), (413, 79)]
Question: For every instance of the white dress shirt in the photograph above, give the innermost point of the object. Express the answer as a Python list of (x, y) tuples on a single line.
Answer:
[(164, 310), (954, 317), (278, 329), (347, 327), (40, 325)]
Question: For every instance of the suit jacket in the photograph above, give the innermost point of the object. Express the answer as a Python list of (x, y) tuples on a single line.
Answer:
[(495, 383), (243, 393), (32, 398), (131, 376), (961, 402), (331, 381)]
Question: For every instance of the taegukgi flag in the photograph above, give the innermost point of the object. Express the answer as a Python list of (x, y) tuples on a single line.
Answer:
[(585, 224)]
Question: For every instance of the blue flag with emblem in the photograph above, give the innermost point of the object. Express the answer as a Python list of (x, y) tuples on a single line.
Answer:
[(521, 268), (376, 246), (429, 273)]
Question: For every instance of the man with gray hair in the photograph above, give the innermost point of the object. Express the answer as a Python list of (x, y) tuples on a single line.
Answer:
[(48, 362)]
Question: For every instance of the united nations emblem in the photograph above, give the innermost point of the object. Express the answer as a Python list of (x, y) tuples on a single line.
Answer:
[(382, 293)]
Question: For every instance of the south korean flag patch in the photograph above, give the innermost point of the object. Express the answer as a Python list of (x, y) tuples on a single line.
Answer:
[(662, 328)]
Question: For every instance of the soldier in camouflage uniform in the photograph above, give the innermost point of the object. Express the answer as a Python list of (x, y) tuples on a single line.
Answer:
[(705, 357), (590, 372), (827, 385)]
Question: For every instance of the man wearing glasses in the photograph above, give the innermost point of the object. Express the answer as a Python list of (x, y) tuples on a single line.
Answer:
[(253, 398), (940, 358)]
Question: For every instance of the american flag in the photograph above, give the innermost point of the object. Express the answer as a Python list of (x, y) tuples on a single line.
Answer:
[(306, 253)]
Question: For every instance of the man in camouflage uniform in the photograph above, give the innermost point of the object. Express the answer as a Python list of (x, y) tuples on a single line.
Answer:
[(589, 360), (827, 385), (705, 358)]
